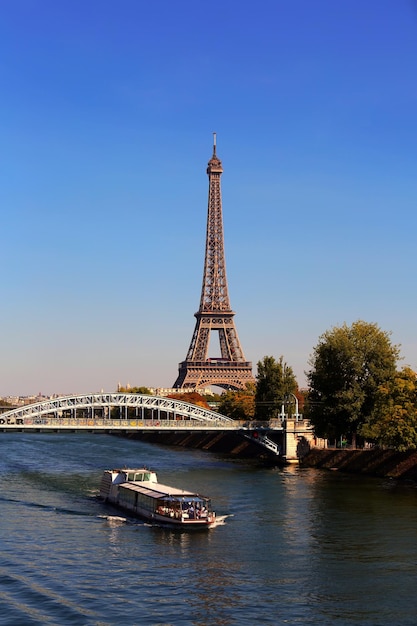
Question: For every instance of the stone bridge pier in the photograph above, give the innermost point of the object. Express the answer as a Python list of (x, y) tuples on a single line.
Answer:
[(298, 439)]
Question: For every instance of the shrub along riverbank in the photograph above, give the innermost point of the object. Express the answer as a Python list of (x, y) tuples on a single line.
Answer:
[(373, 462)]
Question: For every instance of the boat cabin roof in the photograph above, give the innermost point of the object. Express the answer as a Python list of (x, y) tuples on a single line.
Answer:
[(158, 491), (125, 470)]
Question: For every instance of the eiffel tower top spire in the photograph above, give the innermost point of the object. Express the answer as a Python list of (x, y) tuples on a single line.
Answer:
[(214, 143), (214, 293), (214, 165)]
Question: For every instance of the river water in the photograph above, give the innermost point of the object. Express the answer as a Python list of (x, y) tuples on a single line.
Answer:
[(298, 546)]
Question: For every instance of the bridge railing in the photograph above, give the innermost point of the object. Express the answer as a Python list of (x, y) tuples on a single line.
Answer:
[(79, 423)]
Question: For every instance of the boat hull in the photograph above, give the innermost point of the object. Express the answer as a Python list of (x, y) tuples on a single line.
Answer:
[(162, 520)]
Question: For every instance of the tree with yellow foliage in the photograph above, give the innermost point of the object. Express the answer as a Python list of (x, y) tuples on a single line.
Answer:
[(393, 422)]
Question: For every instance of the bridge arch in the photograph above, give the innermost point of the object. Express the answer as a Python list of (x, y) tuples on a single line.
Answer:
[(95, 410)]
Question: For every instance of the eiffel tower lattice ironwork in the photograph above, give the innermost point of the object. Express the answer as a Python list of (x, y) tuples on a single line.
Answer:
[(230, 370)]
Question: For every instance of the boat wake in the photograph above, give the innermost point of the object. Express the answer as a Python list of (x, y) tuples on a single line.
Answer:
[(114, 520), (221, 520)]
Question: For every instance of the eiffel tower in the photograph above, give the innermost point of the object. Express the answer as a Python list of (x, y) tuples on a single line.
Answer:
[(230, 370)]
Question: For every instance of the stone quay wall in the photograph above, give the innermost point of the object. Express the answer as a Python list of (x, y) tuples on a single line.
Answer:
[(371, 462)]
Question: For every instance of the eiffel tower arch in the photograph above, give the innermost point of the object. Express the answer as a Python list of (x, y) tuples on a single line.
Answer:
[(230, 370)]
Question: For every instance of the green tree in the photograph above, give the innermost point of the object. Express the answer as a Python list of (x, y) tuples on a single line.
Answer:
[(140, 390), (239, 405), (348, 366), (275, 381), (393, 422)]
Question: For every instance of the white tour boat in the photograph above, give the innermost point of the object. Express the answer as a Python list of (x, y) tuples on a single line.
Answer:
[(138, 492)]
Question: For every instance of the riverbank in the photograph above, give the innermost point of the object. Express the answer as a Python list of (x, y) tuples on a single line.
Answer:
[(372, 462), (229, 443)]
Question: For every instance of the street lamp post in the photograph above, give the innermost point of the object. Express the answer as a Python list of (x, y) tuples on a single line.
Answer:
[(283, 414), (297, 415)]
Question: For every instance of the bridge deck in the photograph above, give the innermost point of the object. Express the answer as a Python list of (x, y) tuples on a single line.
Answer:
[(47, 423)]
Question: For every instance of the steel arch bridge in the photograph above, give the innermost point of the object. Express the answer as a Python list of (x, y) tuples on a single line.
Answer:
[(99, 411)]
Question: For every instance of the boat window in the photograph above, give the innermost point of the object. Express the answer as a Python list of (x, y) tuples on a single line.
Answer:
[(130, 476)]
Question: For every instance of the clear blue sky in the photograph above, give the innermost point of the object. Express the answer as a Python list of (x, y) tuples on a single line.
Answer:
[(107, 112)]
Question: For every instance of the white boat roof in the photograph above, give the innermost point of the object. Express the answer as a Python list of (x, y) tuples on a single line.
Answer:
[(129, 469), (157, 490)]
